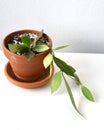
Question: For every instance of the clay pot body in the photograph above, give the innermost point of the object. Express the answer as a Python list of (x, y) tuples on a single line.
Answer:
[(26, 70)]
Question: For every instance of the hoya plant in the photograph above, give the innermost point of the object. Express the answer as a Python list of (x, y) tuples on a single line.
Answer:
[(31, 45), (65, 69), (28, 44)]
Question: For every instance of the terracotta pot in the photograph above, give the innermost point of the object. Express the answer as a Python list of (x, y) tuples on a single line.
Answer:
[(22, 68)]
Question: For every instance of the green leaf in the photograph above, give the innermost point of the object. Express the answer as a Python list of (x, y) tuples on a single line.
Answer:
[(41, 47), (26, 40), (71, 95), (61, 47), (29, 55), (69, 70), (48, 60), (17, 48), (14, 47), (56, 81), (86, 92)]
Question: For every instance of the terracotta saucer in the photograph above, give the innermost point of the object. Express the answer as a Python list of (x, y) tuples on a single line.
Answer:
[(43, 80)]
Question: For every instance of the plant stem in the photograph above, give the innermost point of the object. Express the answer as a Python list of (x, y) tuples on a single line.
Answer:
[(40, 35), (77, 80)]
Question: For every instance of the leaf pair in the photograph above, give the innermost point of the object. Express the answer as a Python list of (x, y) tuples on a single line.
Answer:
[(17, 48), (70, 71), (55, 84), (57, 79), (21, 48)]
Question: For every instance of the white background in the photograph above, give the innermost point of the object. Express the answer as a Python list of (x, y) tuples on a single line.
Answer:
[(80, 22), (38, 109)]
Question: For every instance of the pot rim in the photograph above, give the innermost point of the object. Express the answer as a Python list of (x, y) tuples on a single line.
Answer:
[(23, 31)]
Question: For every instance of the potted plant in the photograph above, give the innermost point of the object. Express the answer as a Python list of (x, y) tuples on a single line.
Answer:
[(30, 54)]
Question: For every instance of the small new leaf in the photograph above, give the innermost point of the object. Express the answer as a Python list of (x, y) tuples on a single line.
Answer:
[(26, 40), (69, 70), (61, 47), (56, 82), (48, 60), (86, 92)]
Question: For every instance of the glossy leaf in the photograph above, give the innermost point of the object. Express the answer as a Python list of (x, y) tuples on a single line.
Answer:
[(71, 95), (41, 47), (26, 40), (69, 70), (86, 92), (61, 47), (48, 60), (56, 82)]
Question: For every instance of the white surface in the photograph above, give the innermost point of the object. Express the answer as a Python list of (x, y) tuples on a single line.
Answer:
[(80, 22), (37, 109)]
